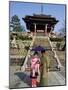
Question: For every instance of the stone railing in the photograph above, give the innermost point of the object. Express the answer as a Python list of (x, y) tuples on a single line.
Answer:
[(55, 55), (25, 62)]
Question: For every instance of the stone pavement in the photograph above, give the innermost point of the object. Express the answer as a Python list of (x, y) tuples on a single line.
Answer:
[(19, 79), (55, 78)]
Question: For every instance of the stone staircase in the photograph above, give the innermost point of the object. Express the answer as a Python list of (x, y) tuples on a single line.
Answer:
[(42, 41), (25, 76), (45, 43), (53, 62), (40, 34)]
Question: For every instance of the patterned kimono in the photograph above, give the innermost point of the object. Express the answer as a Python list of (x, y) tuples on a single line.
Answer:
[(35, 65)]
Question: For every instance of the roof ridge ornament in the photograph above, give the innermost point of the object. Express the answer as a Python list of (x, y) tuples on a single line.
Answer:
[(41, 8)]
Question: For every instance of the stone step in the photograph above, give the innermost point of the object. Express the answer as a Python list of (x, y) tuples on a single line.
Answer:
[(28, 69), (44, 42), (17, 61), (40, 34), (54, 69)]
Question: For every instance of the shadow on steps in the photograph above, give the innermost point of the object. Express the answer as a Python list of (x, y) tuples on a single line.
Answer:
[(24, 77)]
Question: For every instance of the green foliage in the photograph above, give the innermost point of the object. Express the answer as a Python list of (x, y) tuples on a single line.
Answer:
[(56, 39), (27, 47), (63, 29), (58, 45), (11, 37), (17, 28), (15, 19), (15, 24), (23, 37), (64, 47)]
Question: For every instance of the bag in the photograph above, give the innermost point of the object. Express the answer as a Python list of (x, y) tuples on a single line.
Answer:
[(36, 73)]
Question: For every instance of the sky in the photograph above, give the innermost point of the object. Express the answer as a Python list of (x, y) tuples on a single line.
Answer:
[(21, 9)]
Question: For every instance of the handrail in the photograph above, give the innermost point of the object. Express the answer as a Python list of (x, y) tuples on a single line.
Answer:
[(55, 55), (25, 62)]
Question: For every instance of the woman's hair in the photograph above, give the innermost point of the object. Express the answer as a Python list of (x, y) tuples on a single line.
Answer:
[(35, 53), (43, 51)]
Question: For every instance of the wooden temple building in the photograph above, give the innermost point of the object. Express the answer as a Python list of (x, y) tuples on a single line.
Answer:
[(40, 23)]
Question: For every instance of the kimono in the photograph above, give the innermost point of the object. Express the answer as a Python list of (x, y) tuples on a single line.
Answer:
[(35, 64)]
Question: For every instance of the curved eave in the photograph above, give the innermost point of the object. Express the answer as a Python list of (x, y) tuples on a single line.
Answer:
[(53, 21)]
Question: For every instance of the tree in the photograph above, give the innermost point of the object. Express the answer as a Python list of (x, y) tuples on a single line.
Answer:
[(15, 24), (58, 45), (64, 47), (63, 32)]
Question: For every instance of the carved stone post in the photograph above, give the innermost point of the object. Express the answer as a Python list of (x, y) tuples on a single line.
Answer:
[(51, 31), (46, 29)]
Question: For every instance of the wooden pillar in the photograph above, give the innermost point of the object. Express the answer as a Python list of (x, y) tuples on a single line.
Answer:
[(52, 28), (46, 29), (35, 28)]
